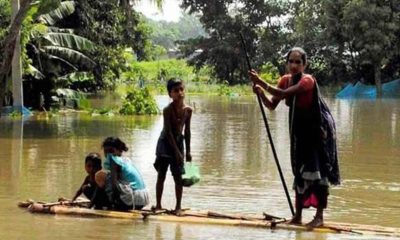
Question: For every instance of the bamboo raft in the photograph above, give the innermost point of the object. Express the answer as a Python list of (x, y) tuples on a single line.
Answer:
[(79, 208)]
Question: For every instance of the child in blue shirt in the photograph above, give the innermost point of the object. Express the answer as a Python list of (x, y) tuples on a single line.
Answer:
[(122, 182)]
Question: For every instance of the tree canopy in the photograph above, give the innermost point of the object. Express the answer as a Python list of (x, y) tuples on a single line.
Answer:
[(346, 40)]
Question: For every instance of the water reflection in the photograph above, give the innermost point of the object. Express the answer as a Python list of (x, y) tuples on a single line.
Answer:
[(176, 235), (10, 168)]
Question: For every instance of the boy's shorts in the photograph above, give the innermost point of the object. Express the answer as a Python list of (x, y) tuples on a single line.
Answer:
[(161, 165)]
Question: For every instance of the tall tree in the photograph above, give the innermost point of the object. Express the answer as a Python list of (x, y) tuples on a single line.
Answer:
[(335, 48), (372, 28), (223, 21), (167, 33), (8, 45), (16, 66), (107, 23)]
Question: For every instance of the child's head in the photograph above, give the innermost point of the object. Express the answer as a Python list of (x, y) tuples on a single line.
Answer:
[(92, 163), (176, 89), (296, 60), (114, 146)]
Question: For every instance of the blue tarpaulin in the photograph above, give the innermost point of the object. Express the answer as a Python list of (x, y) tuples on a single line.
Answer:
[(9, 109), (359, 90)]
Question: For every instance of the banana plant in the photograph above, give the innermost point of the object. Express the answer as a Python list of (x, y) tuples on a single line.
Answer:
[(54, 50)]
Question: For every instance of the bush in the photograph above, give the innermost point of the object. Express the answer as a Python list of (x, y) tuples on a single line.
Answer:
[(139, 102), (159, 71), (83, 104), (269, 73)]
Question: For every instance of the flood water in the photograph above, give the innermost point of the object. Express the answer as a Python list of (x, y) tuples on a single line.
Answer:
[(44, 159)]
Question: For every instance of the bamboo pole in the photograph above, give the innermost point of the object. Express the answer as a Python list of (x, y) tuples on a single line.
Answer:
[(231, 216), (29, 202), (269, 133), (95, 213)]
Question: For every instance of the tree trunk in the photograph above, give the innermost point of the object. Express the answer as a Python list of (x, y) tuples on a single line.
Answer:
[(9, 46), (16, 68), (378, 82), (339, 64)]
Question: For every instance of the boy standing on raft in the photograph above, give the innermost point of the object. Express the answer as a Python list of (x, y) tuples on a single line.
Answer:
[(169, 152)]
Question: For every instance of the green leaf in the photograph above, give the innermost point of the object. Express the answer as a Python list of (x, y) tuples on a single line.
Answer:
[(64, 61), (37, 31), (69, 40), (77, 77), (53, 29), (72, 55), (65, 9), (35, 72)]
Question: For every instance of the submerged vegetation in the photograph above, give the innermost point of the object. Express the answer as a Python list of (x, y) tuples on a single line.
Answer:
[(138, 102)]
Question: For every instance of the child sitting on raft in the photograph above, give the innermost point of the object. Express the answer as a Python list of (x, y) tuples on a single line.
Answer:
[(92, 166), (121, 181)]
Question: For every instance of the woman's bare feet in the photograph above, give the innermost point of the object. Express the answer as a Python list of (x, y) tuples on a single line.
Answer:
[(315, 223), (157, 209), (178, 212), (295, 220)]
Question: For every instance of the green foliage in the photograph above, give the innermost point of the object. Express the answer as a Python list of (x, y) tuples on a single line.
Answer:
[(345, 40), (139, 102), (69, 93), (69, 40), (204, 74), (152, 71), (376, 32), (76, 77), (222, 48), (5, 17), (55, 51), (154, 75), (111, 64), (269, 73), (166, 34), (58, 13), (15, 114), (144, 52), (113, 26), (71, 99), (102, 111), (98, 20), (84, 104), (224, 90), (113, 44), (156, 52)]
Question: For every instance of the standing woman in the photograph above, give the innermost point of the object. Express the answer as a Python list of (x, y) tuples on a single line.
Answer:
[(312, 134)]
